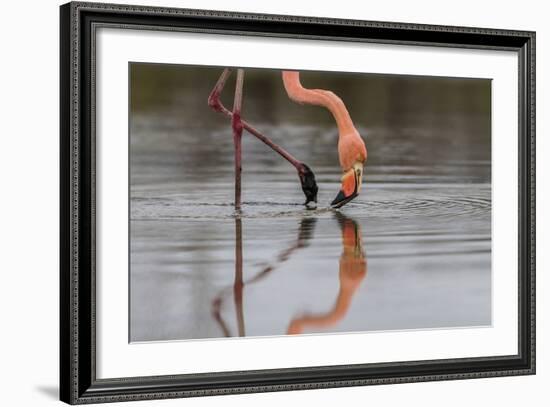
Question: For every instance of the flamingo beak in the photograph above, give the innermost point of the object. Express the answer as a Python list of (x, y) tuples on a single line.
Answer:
[(351, 185)]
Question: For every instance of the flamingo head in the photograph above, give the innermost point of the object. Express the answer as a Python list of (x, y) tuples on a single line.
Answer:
[(351, 185)]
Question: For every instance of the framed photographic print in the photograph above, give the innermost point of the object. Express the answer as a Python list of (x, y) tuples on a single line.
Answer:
[(255, 203)]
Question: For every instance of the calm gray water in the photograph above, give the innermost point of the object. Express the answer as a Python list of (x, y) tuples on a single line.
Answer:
[(413, 251)]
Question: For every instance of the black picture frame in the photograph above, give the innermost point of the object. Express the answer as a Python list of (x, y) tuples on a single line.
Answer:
[(78, 382)]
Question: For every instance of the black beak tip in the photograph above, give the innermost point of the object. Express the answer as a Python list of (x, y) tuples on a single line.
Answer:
[(341, 199)]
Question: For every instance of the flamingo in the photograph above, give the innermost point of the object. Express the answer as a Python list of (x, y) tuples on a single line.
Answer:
[(352, 152)]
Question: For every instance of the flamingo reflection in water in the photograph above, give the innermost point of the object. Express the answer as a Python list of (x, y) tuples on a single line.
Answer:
[(352, 271)]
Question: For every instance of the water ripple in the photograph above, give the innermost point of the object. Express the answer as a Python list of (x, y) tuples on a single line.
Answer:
[(470, 201)]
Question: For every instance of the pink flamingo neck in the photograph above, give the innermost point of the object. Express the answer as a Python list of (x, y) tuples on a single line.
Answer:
[(319, 97)]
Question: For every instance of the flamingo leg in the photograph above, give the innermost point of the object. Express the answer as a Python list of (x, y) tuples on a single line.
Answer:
[(237, 126), (307, 178)]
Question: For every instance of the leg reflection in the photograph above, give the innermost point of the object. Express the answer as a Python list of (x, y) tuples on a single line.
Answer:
[(353, 269), (305, 234), (238, 284)]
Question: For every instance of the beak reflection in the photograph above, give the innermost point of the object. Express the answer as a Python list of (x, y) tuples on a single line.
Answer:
[(352, 271)]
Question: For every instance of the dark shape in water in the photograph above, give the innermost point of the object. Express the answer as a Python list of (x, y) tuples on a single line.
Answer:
[(309, 186)]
